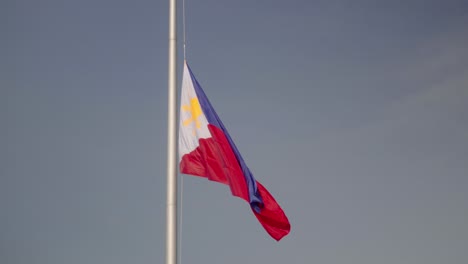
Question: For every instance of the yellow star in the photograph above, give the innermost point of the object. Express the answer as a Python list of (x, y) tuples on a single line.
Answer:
[(195, 109)]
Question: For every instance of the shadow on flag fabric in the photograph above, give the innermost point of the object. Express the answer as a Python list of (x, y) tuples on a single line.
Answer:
[(207, 150)]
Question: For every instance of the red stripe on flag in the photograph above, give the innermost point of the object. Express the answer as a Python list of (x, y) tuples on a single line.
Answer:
[(215, 160)]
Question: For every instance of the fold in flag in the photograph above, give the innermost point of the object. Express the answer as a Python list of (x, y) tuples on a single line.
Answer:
[(207, 150)]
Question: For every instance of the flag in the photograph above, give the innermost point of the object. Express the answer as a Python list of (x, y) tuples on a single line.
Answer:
[(206, 149)]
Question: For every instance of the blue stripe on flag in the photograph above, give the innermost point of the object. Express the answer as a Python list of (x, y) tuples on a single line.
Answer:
[(255, 199)]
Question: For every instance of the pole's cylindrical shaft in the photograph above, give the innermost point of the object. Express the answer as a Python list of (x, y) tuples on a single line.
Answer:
[(171, 210)]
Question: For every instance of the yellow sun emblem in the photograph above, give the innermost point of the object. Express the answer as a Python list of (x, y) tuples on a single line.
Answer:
[(195, 109)]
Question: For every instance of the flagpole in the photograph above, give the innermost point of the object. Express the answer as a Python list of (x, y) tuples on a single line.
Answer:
[(171, 206)]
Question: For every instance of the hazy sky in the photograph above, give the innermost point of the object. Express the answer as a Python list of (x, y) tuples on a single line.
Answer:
[(354, 114)]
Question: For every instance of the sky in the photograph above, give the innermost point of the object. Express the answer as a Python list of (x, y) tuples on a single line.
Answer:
[(353, 114)]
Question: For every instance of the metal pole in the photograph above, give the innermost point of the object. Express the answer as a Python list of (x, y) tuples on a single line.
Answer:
[(171, 209)]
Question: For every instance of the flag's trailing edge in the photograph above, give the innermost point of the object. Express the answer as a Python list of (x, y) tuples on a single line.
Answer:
[(207, 150)]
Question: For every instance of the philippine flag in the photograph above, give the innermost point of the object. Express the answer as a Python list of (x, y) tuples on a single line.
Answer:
[(207, 150)]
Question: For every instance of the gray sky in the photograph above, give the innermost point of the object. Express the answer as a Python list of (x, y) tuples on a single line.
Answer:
[(352, 113)]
